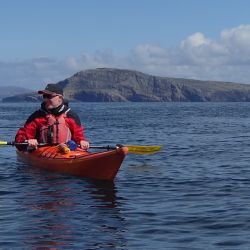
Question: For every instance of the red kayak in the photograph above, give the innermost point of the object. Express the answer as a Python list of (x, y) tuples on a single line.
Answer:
[(100, 165)]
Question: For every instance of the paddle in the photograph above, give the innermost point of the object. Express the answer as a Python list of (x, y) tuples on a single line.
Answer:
[(131, 148)]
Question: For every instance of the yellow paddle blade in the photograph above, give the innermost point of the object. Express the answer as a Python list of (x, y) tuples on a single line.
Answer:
[(143, 149), (3, 143)]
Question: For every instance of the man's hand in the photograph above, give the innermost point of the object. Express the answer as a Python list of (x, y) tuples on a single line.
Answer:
[(33, 143), (84, 144)]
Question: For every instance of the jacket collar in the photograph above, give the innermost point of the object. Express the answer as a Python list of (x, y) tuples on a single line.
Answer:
[(56, 111)]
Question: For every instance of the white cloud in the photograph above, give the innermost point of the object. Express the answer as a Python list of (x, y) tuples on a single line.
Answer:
[(238, 37), (237, 41), (197, 56), (200, 57), (200, 50), (195, 40)]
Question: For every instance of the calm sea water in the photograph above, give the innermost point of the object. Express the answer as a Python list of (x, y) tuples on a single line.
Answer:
[(194, 194)]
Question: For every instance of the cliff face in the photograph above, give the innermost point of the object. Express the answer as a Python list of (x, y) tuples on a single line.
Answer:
[(110, 85), (126, 85)]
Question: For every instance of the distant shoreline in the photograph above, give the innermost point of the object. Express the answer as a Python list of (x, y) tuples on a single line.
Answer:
[(118, 85)]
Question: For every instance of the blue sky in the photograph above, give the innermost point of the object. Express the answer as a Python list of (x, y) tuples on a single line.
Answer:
[(50, 40)]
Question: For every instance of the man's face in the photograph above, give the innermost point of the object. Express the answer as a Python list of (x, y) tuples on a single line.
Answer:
[(52, 101)]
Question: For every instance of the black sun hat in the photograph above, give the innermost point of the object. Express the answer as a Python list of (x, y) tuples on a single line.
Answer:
[(51, 89)]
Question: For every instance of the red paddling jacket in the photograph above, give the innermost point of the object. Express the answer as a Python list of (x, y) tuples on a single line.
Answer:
[(58, 125)]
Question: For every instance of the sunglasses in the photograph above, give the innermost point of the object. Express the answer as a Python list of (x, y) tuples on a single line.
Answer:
[(48, 96)]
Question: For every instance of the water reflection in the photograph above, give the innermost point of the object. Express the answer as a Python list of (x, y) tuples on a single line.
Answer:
[(104, 191), (65, 212)]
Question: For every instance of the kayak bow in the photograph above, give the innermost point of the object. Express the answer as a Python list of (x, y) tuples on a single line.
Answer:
[(99, 165)]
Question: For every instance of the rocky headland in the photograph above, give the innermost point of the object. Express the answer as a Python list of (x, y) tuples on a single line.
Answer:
[(118, 85)]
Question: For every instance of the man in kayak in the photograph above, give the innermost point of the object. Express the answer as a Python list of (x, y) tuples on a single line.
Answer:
[(53, 123)]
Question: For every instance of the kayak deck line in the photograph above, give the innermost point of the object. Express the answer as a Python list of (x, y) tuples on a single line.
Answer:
[(102, 165)]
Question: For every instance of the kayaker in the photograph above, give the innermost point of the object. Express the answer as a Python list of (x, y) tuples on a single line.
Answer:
[(54, 122)]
